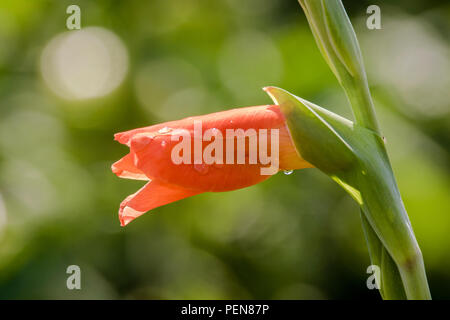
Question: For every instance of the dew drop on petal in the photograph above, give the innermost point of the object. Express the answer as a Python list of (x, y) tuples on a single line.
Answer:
[(288, 172), (163, 144), (164, 130)]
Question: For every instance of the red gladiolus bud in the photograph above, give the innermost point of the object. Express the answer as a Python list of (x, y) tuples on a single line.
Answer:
[(217, 152)]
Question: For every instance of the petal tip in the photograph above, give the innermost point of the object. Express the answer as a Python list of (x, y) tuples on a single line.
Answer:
[(140, 142), (119, 137), (127, 214), (124, 222), (271, 91), (116, 170)]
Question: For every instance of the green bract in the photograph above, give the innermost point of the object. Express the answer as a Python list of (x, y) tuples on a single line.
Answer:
[(356, 159)]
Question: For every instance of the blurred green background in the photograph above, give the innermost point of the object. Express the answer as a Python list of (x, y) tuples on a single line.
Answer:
[(63, 94)]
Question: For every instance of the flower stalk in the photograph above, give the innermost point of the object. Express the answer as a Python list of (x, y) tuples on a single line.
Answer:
[(357, 157), (337, 42)]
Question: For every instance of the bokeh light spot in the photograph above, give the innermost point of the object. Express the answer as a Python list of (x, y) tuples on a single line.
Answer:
[(83, 64)]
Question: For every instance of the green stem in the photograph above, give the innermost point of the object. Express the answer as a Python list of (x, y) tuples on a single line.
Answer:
[(358, 94), (391, 286), (415, 279), (372, 174), (411, 267)]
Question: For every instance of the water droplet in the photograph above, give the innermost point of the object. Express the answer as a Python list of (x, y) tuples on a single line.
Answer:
[(201, 168), (163, 144), (141, 140), (288, 172), (164, 130)]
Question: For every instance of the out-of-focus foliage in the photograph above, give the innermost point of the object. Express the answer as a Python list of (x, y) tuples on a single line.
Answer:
[(293, 237)]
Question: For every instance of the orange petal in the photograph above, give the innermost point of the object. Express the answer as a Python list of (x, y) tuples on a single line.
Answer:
[(153, 156), (268, 116), (154, 194), (125, 137), (290, 159), (125, 168), (153, 151)]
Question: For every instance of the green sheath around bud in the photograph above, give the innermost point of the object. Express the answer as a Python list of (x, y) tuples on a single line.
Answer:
[(356, 159)]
